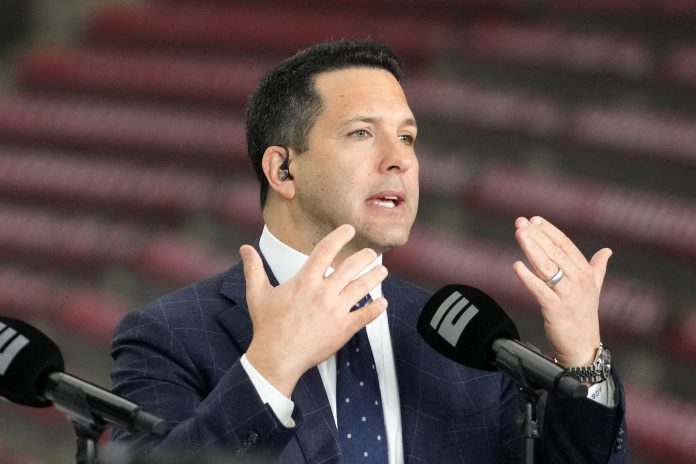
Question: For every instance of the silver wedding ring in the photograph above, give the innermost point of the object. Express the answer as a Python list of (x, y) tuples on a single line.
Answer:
[(557, 277)]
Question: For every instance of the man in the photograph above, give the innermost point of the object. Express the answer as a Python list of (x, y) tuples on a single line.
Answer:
[(239, 362)]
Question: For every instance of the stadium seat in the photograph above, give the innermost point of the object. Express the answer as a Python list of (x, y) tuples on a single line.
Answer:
[(194, 137), (628, 307), (662, 425), (550, 45), (643, 218), (135, 74), (249, 28)]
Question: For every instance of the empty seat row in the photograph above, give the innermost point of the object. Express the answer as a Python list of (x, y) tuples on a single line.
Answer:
[(82, 309), (194, 136), (555, 46), (661, 425), (55, 178), (680, 338), (245, 27), (648, 219), (165, 191), (639, 133), (150, 75), (88, 244), (628, 307), (649, 134)]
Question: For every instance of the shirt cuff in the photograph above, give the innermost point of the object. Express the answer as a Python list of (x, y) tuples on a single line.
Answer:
[(603, 392), (281, 405)]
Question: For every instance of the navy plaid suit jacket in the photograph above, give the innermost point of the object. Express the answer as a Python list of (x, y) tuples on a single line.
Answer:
[(179, 357)]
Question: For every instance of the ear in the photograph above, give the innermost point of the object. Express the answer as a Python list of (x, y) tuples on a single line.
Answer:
[(271, 163)]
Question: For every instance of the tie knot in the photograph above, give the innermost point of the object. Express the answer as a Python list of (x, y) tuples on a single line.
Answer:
[(364, 301)]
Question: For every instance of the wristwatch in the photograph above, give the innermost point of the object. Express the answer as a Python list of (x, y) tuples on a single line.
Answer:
[(596, 372)]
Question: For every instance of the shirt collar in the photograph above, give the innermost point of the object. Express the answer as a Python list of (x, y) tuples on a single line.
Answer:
[(285, 261)]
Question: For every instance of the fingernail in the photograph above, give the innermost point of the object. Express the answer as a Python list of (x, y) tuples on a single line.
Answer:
[(522, 222), (349, 229), (537, 220), (383, 269), (244, 251)]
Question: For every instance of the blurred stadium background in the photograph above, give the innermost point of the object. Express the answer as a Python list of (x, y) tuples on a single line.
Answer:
[(123, 171)]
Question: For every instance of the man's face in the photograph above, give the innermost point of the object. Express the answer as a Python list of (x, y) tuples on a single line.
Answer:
[(360, 167)]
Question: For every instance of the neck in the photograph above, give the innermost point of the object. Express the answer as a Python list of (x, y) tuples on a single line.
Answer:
[(303, 236)]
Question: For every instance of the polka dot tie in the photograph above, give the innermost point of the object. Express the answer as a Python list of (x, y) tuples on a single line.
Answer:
[(358, 403)]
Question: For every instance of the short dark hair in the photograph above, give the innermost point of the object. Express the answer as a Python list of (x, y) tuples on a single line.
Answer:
[(283, 107)]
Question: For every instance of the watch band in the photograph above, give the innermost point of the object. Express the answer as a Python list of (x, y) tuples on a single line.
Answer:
[(596, 372)]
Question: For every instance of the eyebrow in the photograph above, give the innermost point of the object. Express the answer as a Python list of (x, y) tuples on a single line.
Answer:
[(371, 120)]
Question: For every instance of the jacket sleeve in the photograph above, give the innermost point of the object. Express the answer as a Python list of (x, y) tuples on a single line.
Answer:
[(152, 368), (583, 431)]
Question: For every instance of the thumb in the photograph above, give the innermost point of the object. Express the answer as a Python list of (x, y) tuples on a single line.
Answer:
[(254, 273), (599, 265)]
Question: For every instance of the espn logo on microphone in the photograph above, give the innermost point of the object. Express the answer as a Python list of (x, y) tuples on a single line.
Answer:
[(452, 317), (11, 344)]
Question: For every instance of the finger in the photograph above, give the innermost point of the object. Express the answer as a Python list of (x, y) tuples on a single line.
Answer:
[(254, 273), (543, 294), (363, 316), (599, 265), (326, 250), (358, 288), (544, 257), (352, 266), (561, 240)]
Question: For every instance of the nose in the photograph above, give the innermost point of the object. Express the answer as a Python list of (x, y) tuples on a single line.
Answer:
[(397, 157)]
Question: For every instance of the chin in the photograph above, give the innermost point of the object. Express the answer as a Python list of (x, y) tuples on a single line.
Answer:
[(385, 240)]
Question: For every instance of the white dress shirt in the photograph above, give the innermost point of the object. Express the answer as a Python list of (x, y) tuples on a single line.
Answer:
[(285, 262)]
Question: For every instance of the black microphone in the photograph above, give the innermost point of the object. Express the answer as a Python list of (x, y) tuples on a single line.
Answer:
[(469, 327), (31, 373)]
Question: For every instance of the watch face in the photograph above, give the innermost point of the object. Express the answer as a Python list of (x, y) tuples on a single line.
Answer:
[(606, 361)]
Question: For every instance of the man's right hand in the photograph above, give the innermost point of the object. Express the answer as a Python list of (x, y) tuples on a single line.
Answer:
[(306, 320)]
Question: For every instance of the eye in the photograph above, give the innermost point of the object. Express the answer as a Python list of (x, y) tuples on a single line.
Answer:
[(407, 139), (360, 133)]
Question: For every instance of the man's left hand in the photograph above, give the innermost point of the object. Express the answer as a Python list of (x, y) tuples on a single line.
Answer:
[(570, 307)]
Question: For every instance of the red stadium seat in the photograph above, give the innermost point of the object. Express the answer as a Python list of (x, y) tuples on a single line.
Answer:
[(239, 205), (130, 74), (54, 178), (680, 65), (680, 338), (644, 218), (77, 241), (660, 136), (89, 244), (661, 425), (178, 261), (627, 307), (551, 45), (192, 136), (83, 310), (256, 28), (485, 107)]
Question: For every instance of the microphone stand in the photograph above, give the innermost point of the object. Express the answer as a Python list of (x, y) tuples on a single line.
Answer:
[(73, 403), (527, 416), (91, 410), (528, 422)]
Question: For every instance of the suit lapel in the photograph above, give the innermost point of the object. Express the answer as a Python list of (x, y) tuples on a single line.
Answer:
[(317, 439), (407, 348)]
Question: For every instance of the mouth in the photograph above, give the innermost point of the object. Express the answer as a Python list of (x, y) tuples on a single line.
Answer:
[(387, 199)]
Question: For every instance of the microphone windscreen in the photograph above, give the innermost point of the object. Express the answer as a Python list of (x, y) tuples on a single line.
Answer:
[(27, 356), (461, 322)]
